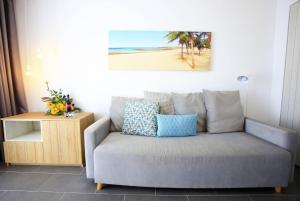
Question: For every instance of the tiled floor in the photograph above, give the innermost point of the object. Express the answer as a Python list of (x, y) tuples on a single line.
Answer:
[(40, 183)]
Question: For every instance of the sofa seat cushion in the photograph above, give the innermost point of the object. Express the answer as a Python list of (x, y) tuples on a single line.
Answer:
[(203, 161)]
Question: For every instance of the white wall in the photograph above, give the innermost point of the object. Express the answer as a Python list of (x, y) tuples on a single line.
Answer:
[(72, 36)]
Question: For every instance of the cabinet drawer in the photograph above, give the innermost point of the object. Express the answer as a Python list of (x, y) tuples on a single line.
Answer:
[(23, 152)]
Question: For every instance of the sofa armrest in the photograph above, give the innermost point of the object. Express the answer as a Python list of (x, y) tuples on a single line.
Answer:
[(93, 135), (282, 137)]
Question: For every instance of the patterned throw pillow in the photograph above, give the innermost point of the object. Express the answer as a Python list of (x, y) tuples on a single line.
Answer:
[(117, 108), (140, 118)]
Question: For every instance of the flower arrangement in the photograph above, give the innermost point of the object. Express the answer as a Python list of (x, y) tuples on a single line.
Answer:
[(58, 103)]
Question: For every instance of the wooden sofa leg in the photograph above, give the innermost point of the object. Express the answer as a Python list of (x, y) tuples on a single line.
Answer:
[(99, 186), (278, 189)]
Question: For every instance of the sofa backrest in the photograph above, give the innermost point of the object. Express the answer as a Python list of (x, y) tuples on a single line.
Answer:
[(184, 103), (219, 111)]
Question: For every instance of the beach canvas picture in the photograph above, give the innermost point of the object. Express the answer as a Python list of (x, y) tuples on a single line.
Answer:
[(159, 50)]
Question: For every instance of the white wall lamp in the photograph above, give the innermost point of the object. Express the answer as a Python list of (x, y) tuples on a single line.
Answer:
[(244, 79)]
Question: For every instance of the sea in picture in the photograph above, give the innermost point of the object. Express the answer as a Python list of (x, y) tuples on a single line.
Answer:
[(159, 50), (124, 50)]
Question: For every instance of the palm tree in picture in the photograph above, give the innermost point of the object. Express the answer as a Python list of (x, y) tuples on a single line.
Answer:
[(191, 38), (208, 37), (200, 40), (183, 40), (198, 45), (187, 46), (206, 40), (177, 35)]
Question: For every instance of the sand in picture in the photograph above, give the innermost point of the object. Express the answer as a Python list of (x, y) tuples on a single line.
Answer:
[(172, 54)]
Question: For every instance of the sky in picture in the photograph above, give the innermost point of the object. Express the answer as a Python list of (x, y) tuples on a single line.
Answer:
[(123, 39)]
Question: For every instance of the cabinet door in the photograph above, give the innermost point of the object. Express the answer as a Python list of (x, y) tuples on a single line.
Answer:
[(50, 141), (68, 136), (60, 142)]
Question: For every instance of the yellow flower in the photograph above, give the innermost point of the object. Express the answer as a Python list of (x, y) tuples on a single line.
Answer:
[(60, 107), (50, 104), (54, 111), (63, 108)]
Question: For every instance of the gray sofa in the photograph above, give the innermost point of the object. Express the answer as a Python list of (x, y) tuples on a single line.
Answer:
[(261, 156), (258, 155)]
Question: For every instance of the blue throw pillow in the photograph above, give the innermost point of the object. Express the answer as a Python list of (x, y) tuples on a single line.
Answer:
[(140, 118), (176, 125)]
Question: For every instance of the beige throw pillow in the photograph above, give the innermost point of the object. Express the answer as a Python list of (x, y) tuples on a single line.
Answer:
[(224, 111), (164, 99), (191, 103)]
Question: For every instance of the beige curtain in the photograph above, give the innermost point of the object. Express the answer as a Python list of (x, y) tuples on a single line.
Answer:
[(12, 96)]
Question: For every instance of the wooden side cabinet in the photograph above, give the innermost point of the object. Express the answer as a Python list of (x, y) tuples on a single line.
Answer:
[(36, 138)]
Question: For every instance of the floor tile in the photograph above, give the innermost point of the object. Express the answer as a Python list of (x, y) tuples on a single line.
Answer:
[(18, 168), (91, 197), (61, 169), (297, 171), (296, 180), (2, 167), (68, 183), (219, 198), (293, 188), (42, 169), (30, 196), (116, 189), (297, 175), (83, 171), (275, 198), (183, 191), (154, 198), (2, 194), (22, 181), (244, 191)]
